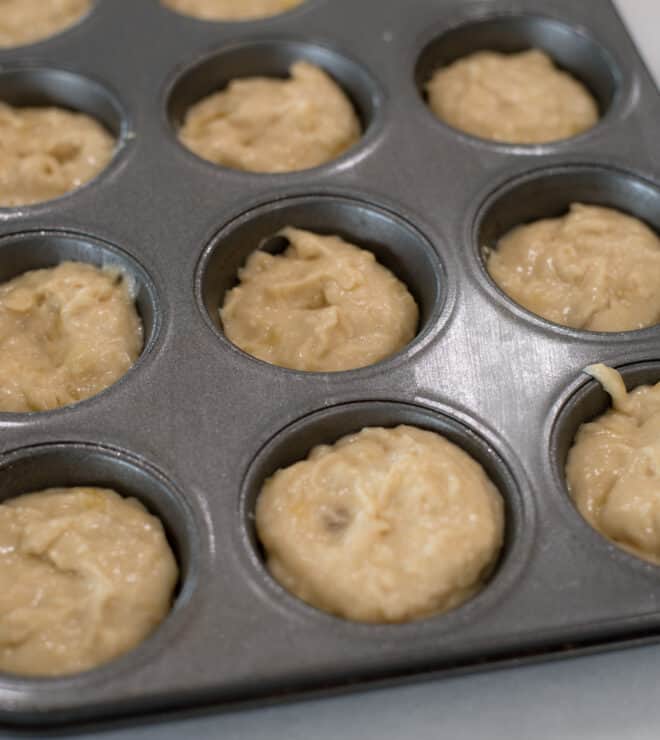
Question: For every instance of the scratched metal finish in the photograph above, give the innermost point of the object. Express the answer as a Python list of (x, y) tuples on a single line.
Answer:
[(195, 426)]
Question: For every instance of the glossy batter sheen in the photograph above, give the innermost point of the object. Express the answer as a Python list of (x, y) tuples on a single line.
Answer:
[(613, 468), (595, 268), (323, 305), (27, 21), (231, 10), (47, 152), (66, 333), (517, 98), (265, 124), (85, 575), (387, 525)]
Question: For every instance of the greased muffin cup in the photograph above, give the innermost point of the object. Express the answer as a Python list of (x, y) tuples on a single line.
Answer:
[(196, 426)]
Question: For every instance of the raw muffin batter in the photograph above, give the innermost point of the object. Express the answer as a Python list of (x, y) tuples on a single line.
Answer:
[(517, 98), (85, 575), (595, 269), (27, 21), (323, 305), (66, 333), (47, 152), (261, 124), (387, 525), (613, 468), (231, 10)]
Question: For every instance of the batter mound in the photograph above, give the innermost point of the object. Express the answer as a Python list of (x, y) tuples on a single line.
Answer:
[(85, 575), (595, 269), (386, 525), (613, 468), (323, 305), (27, 21), (231, 10), (261, 124), (516, 98), (66, 333), (47, 152)]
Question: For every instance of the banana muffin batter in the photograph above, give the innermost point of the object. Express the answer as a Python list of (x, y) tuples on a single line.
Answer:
[(66, 333), (85, 575), (613, 468), (323, 305), (516, 98), (47, 152), (595, 268), (231, 10), (27, 21), (262, 124), (386, 525)]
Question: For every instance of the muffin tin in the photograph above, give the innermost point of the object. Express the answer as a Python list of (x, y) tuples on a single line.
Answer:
[(196, 425)]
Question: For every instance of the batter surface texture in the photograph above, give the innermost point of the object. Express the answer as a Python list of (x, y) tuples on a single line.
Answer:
[(265, 124), (231, 10), (323, 305), (613, 468), (386, 525), (27, 21), (516, 98), (47, 152), (66, 333), (85, 575), (595, 268)]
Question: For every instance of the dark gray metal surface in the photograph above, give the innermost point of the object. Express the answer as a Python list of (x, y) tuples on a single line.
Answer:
[(195, 412)]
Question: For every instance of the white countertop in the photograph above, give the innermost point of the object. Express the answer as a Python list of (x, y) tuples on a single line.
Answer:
[(596, 698), (643, 19)]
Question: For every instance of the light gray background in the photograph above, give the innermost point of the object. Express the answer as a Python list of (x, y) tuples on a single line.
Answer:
[(595, 698)]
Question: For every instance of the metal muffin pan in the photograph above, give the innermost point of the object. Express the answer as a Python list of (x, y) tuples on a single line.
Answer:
[(194, 427)]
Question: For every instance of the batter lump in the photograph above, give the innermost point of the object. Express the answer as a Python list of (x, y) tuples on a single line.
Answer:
[(66, 333), (27, 21), (386, 525), (231, 10), (613, 468), (323, 305), (263, 124), (85, 575), (516, 98), (47, 152), (595, 268)]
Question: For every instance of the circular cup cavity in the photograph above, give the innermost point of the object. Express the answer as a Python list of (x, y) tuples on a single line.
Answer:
[(571, 49), (326, 427), (272, 58), (548, 194), (68, 465), (28, 86), (397, 245), (37, 250), (584, 402)]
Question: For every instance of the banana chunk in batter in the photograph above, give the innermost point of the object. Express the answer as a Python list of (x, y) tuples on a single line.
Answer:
[(27, 21), (85, 575), (261, 124), (516, 98), (231, 10), (613, 468), (324, 305), (595, 268), (386, 525), (47, 152), (66, 333)]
